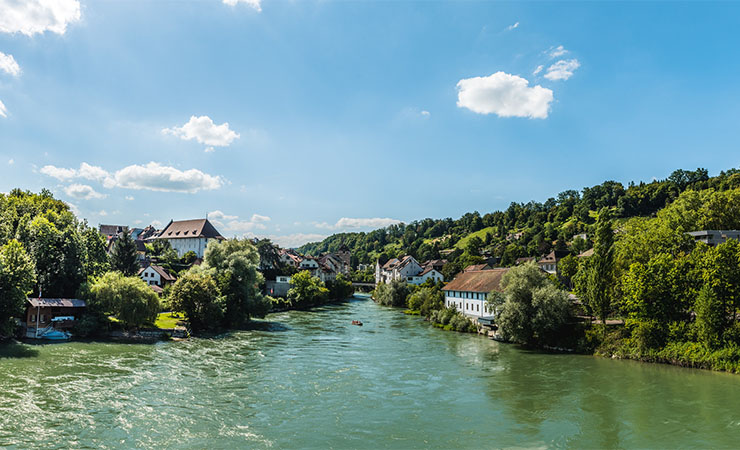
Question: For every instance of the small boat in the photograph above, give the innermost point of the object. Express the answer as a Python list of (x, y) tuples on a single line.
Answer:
[(357, 322), (54, 335)]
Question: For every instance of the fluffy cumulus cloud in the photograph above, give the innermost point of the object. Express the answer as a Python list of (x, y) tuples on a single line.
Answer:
[(562, 70), (152, 176), (37, 16), (3, 111), (156, 177), (505, 95), (557, 51), (203, 130), (511, 27), (235, 225), (9, 65), (256, 4), (82, 191)]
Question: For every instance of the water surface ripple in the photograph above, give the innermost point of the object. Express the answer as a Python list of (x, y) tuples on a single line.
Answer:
[(312, 380)]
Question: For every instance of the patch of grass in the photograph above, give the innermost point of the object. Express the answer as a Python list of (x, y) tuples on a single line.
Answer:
[(480, 233), (168, 320), (412, 312)]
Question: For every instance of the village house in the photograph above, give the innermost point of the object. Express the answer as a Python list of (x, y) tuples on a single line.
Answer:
[(476, 267), (469, 291), (549, 262), (190, 235), (46, 314), (427, 274), (156, 276), (714, 237), (396, 269)]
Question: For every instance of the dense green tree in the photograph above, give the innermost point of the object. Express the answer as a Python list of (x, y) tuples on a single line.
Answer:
[(341, 288), (599, 278), (392, 294), (17, 278), (124, 257), (534, 311), (196, 295), (128, 298), (426, 300), (711, 317), (567, 268), (233, 264), (306, 290)]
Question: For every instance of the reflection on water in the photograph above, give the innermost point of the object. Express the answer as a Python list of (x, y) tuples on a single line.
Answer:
[(311, 379)]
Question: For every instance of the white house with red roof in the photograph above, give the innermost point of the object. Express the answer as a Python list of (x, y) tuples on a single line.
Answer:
[(190, 235)]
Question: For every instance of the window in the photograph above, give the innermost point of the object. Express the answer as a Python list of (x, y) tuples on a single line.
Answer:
[(33, 317), (43, 318), (477, 307)]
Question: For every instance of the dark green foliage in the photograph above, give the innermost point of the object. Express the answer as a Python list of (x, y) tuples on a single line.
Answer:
[(16, 281), (534, 310), (340, 289), (127, 298), (426, 300), (197, 296), (392, 294), (306, 291), (453, 320), (124, 257)]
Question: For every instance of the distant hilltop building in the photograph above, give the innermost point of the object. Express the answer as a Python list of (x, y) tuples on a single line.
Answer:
[(190, 235), (714, 237)]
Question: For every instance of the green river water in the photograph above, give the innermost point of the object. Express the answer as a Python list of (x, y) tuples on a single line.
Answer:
[(312, 380)]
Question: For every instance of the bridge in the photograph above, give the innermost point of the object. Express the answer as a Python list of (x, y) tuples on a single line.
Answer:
[(363, 287)]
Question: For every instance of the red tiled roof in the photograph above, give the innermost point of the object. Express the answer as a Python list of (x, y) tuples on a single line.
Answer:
[(477, 281)]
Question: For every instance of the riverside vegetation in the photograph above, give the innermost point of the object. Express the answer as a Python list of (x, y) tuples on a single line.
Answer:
[(678, 299), (45, 249)]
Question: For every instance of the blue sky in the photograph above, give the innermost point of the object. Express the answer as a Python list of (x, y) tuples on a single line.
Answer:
[(297, 119)]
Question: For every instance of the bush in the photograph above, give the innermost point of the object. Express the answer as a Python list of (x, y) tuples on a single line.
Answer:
[(392, 294), (127, 298), (647, 334)]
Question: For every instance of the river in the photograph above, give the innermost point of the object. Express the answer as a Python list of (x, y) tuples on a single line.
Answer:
[(312, 380)]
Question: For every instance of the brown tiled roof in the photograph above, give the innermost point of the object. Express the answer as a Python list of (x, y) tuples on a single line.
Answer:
[(163, 273), (553, 257), (196, 228), (587, 253), (57, 302), (426, 271), (525, 259), (390, 263), (477, 281), (156, 289), (477, 267)]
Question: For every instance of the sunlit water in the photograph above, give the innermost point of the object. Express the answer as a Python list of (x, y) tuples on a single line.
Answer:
[(315, 381)]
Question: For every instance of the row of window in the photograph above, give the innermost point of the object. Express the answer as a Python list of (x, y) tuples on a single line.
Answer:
[(468, 306), (470, 295)]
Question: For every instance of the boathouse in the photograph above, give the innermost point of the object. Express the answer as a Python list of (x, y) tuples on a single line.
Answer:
[(57, 313)]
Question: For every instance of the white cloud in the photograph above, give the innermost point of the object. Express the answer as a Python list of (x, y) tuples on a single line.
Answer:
[(233, 224), (59, 173), (219, 215), (557, 51), (102, 213), (37, 16), (425, 113), (562, 70), (256, 4), (203, 130), (538, 69), (505, 95), (130, 198), (156, 177), (156, 223), (82, 191), (511, 27), (290, 240), (152, 176), (3, 111), (11, 161), (348, 222), (9, 65)]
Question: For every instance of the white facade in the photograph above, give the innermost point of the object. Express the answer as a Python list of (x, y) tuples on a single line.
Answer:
[(550, 268), (426, 275), (151, 277), (397, 270), (469, 303), (184, 245)]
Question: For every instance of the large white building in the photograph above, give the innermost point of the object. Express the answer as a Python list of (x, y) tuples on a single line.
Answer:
[(396, 269), (469, 291), (190, 235)]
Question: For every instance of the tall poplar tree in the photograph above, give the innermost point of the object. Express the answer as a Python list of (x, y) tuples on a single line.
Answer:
[(600, 278)]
